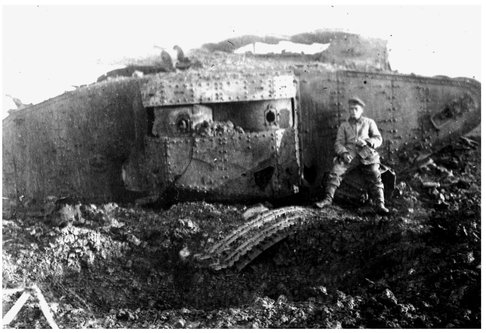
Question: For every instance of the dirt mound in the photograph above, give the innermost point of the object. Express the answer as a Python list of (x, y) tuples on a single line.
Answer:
[(103, 266)]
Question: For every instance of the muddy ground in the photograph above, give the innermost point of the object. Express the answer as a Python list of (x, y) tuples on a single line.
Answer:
[(113, 266)]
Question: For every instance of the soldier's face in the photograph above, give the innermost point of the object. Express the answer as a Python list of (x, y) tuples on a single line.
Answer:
[(355, 111)]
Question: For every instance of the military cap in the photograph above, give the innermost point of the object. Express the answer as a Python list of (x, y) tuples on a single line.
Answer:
[(356, 100)]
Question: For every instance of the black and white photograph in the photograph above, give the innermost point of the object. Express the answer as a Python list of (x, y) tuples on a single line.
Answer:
[(243, 165)]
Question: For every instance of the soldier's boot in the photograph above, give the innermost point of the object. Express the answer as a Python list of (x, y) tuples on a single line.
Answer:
[(328, 196), (379, 196)]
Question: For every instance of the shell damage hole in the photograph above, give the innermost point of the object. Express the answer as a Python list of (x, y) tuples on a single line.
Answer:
[(263, 177)]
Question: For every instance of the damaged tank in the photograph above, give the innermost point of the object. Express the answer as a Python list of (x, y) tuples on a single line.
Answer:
[(252, 128), (231, 135)]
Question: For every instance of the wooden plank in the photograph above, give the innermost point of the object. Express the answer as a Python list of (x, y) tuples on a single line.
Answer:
[(10, 315)]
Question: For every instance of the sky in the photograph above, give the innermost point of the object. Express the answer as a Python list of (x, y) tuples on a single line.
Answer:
[(48, 49)]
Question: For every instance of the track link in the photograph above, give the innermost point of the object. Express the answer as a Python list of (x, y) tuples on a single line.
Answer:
[(246, 243)]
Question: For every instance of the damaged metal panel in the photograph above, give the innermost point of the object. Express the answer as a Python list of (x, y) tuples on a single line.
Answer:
[(208, 87), (320, 118), (249, 165), (223, 151), (235, 166), (256, 116), (289, 165), (408, 106), (179, 121), (72, 145), (452, 106)]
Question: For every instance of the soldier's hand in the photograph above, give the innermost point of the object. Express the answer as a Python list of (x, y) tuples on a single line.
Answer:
[(361, 143), (346, 158)]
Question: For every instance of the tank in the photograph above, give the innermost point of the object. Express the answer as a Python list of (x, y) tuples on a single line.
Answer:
[(249, 129), (231, 135)]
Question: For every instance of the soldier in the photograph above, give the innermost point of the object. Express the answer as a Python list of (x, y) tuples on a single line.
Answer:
[(355, 146)]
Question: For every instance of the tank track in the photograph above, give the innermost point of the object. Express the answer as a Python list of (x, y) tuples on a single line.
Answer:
[(246, 243)]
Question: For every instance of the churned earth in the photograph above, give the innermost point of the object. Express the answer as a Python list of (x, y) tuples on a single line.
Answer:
[(119, 266)]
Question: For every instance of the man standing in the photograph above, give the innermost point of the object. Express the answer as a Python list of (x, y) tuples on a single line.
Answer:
[(355, 145)]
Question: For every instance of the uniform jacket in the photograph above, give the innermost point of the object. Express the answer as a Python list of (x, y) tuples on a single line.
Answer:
[(352, 130)]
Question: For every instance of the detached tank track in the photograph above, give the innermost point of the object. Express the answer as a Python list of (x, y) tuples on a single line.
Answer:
[(246, 243)]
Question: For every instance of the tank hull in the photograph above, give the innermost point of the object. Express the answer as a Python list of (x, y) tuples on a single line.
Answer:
[(73, 144), (413, 114), (136, 137)]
